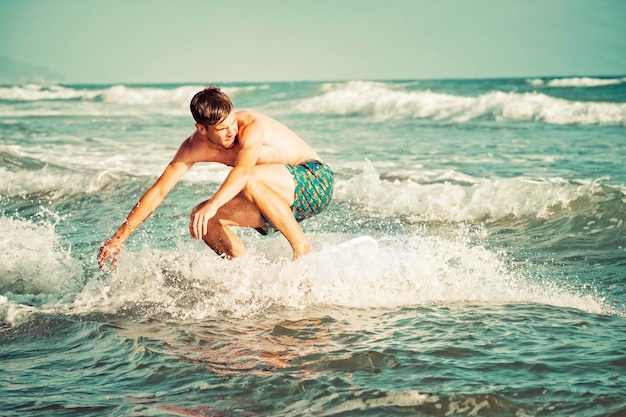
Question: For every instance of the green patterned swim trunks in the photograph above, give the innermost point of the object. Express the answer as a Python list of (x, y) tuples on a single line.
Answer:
[(314, 191)]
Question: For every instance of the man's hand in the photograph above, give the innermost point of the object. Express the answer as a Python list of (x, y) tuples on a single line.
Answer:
[(200, 216), (109, 251)]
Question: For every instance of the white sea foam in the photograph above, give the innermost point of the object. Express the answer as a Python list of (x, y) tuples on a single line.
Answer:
[(58, 175), (115, 94), (445, 199), (52, 184), (65, 170), (36, 270), (114, 101), (422, 196), (382, 102), (585, 82), (34, 261), (191, 283), (536, 82), (36, 92), (144, 95), (152, 95), (576, 82)]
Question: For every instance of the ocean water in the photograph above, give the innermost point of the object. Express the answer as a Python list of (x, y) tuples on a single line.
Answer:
[(497, 288)]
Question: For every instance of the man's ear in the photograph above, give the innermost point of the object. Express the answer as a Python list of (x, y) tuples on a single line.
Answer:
[(201, 129)]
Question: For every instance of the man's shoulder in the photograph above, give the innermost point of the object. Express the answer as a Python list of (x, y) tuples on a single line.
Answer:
[(188, 148), (188, 144), (246, 118), (244, 114), (253, 122)]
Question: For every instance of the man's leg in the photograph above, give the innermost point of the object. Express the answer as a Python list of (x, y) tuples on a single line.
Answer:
[(238, 212), (270, 191)]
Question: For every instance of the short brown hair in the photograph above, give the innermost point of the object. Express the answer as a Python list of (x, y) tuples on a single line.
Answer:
[(210, 106)]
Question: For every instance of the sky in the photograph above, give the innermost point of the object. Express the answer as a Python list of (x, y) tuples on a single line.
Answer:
[(164, 41)]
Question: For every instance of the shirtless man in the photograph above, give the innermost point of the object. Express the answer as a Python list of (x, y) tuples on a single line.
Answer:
[(277, 180)]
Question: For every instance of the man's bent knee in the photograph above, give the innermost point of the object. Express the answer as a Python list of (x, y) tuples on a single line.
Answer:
[(222, 240)]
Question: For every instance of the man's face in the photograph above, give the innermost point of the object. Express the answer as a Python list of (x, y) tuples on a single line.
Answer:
[(224, 133)]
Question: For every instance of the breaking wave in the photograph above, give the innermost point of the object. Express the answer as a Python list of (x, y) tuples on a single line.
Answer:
[(382, 102), (577, 82)]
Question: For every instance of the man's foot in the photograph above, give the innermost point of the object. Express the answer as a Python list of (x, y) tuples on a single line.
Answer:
[(302, 250)]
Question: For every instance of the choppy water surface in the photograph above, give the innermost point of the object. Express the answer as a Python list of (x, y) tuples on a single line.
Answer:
[(497, 287)]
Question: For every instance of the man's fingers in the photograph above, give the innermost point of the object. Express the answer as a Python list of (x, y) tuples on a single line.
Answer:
[(105, 255), (192, 219), (194, 226), (198, 225), (103, 263)]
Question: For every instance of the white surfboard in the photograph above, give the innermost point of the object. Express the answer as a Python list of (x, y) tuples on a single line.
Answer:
[(357, 244), (354, 246), (337, 261)]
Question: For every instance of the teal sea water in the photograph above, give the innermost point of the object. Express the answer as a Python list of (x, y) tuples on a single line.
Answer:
[(497, 288)]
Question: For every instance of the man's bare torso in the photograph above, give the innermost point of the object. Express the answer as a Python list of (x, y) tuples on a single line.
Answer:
[(278, 144)]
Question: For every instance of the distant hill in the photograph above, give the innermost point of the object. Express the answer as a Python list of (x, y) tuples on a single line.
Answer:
[(16, 72)]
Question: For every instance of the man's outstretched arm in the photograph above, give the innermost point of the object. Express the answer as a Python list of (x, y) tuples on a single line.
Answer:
[(142, 210)]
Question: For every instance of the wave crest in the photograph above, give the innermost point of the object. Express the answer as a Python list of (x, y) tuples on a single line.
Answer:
[(382, 102), (121, 94), (577, 82), (445, 199)]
